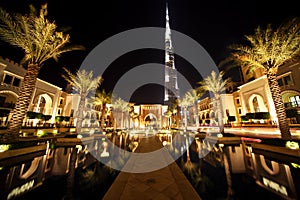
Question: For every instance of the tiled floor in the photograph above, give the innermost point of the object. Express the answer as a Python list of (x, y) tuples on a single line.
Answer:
[(164, 183)]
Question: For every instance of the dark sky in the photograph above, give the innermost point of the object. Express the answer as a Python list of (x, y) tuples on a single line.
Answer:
[(213, 24)]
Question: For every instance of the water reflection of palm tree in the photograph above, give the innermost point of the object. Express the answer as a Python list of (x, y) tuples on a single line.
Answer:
[(230, 191), (120, 106), (188, 165), (102, 99)]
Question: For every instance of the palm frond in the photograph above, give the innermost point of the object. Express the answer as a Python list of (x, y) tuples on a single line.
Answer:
[(120, 104), (268, 48), (83, 81), (36, 35), (214, 83)]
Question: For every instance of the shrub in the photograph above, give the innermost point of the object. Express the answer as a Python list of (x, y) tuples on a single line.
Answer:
[(4, 112), (231, 118)]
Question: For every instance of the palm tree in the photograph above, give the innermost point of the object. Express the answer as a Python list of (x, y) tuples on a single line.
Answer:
[(40, 41), (102, 98), (269, 49), (133, 116), (168, 115), (174, 110), (215, 84), (84, 83), (185, 102), (120, 106), (190, 99)]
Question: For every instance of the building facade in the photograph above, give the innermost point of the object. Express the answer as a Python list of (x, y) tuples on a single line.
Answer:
[(49, 105), (253, 98)]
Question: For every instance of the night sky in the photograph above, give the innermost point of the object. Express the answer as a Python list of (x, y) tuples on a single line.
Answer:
[(213, 24)]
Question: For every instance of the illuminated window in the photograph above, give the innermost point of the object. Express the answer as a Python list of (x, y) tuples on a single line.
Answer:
[(167, 79), (295, 101)]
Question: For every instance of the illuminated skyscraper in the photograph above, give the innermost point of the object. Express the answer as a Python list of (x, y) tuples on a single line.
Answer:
[(171, 85)]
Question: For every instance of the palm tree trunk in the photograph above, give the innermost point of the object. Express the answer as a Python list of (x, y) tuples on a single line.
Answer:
[(22, 104), (185, 119), (220, 115), (103, 114), (196, 115), (80, 113), (279, 107), (122, 120)]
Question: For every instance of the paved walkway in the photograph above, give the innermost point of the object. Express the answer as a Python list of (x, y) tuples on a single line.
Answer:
[(164, 183)]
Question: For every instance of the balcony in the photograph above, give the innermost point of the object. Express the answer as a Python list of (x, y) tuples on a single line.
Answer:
[(9, 87)]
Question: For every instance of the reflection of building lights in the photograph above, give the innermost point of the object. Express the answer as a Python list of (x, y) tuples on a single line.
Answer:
[(55, 131), (104, 153), (164, 143), (79, 147), (79, 136), (219, 135)]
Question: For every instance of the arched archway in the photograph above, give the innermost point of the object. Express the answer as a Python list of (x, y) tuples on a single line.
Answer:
[(256, 103), (8, 97), (7, 103), (150, 121), (44, 104), (291, 98)]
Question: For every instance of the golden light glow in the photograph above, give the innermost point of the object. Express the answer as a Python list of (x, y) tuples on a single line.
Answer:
[(164, 143), (79, 147), (72, 130), (292, 145), (295, 165), (4, 147), (40, 133)]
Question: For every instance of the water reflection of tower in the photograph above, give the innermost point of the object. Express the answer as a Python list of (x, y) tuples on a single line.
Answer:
[(171, 85)]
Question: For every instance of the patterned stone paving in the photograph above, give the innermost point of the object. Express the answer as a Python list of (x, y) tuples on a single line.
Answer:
[(165, 183)]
